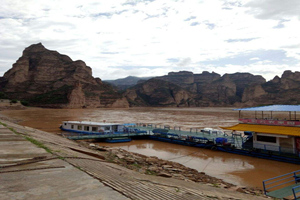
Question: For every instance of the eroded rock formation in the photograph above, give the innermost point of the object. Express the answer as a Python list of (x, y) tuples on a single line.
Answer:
[(284, 90), (188, 89), (49, 79)]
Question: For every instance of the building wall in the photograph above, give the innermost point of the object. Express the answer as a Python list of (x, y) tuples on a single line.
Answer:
[(265, 145), (280, 143)]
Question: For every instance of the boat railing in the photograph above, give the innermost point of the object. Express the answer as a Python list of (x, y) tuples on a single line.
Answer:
[(275, 149)]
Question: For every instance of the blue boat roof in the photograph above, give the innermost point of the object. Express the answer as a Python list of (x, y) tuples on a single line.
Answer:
[(286, 108)]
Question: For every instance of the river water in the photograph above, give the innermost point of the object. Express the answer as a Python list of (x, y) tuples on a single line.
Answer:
[(236, 169)]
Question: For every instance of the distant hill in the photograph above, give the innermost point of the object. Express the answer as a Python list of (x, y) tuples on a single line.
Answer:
[(188, 89), (49, 79), (129, 81)]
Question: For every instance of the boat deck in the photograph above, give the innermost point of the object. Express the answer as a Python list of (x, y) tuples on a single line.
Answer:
[(101, 136)]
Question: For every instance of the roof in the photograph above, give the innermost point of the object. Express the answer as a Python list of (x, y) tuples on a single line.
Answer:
[(91, 123), (280, 130), (286, 108)]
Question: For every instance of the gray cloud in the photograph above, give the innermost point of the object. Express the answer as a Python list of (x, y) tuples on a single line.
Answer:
[(276, 57), (185, 62), (274, 9)]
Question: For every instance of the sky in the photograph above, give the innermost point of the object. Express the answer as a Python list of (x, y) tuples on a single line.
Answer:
[(120, 38)]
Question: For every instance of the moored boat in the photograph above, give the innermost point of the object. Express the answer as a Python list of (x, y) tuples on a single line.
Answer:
[(88, 127)]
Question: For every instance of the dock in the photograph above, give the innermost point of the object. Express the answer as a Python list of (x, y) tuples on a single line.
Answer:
[(40, 165)]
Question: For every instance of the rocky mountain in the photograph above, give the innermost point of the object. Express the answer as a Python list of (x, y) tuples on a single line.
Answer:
[(211, 89), (124, 83), (46, 78), (188, 89), (49, 79), (280, 90)]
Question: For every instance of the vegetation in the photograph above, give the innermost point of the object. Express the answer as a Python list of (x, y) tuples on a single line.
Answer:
[(39, 144), (3, 95), (58, 96), (24, 103), (14, 101), (33, 141)]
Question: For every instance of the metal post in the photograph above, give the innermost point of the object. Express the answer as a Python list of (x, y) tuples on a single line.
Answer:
[(271, 115)]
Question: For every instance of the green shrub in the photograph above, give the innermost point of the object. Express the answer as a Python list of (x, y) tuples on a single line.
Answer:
[(24, 103), (14, 101)]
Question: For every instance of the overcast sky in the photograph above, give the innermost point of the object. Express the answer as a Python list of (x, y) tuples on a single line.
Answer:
[(118, 38)]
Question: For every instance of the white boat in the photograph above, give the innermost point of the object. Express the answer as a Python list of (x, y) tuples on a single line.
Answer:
[(89, 127)]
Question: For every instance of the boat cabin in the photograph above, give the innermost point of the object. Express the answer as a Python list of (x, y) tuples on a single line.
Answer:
[(274, 128), (91, 127)]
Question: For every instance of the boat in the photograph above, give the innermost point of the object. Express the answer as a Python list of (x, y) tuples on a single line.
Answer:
[(109, 132), (88, 127), (118, 139), (268, 132)]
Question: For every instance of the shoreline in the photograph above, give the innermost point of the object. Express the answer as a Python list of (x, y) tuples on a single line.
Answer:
[(152, 165)]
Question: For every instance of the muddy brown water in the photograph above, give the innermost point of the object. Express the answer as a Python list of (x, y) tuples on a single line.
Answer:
[(236, 169)]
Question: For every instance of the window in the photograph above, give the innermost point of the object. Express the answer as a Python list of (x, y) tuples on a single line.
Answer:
[(107, 128), (79, 127), (269, 139), (94, 129), (86, 128), (72, 126), (65, 124)]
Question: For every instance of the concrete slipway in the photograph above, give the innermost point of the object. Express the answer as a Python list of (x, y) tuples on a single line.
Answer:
[(71, 171)]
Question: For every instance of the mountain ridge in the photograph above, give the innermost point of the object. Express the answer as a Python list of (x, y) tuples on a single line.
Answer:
[(47, 78)]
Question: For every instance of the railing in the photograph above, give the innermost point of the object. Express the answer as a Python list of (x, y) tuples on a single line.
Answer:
[(270, 122), (283, 180), (276, 149), (295, 191)]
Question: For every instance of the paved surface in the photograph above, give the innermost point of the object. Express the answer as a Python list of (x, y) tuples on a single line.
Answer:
[(29, 172), (75, 172)]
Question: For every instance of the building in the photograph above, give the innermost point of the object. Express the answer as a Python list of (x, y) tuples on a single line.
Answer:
[(274, 128)]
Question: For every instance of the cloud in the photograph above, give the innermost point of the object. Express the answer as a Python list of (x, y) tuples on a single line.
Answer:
[(185, 62), (119, 38), (276, 57), (241, 40), (274, 9)]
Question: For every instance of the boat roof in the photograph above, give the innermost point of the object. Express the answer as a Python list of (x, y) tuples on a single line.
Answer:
[(279, 130), (91, 123), (286, 108)]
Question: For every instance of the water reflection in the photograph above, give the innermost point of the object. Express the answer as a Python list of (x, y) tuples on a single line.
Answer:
[(237, 169)]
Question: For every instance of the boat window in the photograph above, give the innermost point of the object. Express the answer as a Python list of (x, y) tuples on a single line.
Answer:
[(65, 124), (79, 127), (94, 129), (261, 138), (107, 128), (72, 126), (86, 128)]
